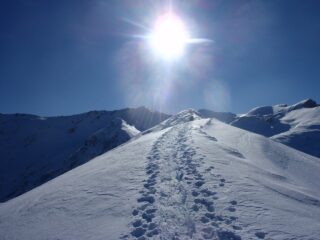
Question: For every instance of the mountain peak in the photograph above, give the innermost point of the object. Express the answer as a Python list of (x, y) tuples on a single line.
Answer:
[(307, 103), (182, 117)]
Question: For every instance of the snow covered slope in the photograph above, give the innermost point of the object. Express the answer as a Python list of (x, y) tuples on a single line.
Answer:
[(191, 178), (34, 149), (116, 133), (297, 126)]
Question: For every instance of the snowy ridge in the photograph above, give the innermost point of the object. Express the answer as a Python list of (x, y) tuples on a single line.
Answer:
[(115, 134), (179, 118), (297, 126), (186, 179), (36, 149)]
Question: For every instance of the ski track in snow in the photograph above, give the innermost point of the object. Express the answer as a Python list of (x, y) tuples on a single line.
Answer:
[(175, 202)]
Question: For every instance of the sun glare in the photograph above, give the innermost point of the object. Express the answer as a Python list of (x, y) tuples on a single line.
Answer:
[(169, 37)]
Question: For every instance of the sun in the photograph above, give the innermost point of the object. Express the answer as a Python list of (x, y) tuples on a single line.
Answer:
[(169, 37)]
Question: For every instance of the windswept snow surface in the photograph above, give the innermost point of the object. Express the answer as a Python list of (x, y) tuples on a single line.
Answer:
[(196, 179), (297, 126)]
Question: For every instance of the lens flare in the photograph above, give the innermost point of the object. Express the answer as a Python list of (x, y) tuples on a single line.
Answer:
[(169, 37)]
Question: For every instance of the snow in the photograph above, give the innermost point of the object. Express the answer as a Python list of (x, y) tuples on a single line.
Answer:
[(116, 133), (181, 117), (187, 178), (36, 149), (297, 126)]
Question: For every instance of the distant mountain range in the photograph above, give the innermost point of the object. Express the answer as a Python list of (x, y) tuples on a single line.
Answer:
[(187, 177), (34, 150)]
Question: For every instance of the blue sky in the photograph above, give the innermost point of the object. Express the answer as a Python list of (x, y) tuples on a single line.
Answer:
[(64, 57)]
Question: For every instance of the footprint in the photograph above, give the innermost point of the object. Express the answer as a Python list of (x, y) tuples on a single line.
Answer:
[(152, 226), (150, 182), (195, 208), (137, 223), (207, 192), (138, 232), (210, 208), (214, 224), (227, 221), (211, 216), (149, 211), (195, 193), (154, 175), (179, 176), (153, 232), (204, 220), (206, 203), (199, 183), (148, 216), (233, 202), (151, 191), (231, 209), (260, 235), (219, 218), (236, 227), (208, 233), (135, 212), (209, 169), (148, 199), (152, 166), (227, 235)]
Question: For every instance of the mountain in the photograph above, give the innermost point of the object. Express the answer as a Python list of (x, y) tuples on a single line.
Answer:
[(297, 126), (187, 178), (225, 117), (36, 149), (116, 133), (181, 117)]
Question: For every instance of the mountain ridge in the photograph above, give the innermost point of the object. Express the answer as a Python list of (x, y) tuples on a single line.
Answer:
[(36, 149), (296, 126), (195, 179), (291, 125)]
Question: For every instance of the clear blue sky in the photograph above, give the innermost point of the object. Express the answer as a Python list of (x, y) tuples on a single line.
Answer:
[(64, 57)]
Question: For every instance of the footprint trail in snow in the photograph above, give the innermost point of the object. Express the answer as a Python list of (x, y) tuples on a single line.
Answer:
[(176, 202)]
